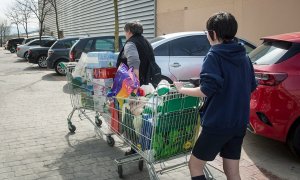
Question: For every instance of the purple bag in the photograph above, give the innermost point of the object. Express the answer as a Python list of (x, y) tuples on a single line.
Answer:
[(123, 73)]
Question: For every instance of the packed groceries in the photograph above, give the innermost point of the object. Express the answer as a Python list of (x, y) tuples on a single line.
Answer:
[(158, 120)]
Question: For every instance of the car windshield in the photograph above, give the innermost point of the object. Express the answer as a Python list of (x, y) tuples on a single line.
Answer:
[(269, 52), (156, 39)]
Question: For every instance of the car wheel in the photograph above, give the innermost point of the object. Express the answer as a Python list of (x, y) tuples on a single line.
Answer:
[(12, 50), (59, 69), (72, 128), (294, 141), (42, 61), (26, 55), (110, 141)]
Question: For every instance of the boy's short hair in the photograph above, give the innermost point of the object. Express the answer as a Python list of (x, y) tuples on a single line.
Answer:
[(224, 24), (135, 27)]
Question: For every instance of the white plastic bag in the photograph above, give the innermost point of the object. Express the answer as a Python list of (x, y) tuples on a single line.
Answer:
[(80, 66), (148, 89)]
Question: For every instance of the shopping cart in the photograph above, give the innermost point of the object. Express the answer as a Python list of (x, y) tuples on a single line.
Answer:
[(85, 102), (159, 129)]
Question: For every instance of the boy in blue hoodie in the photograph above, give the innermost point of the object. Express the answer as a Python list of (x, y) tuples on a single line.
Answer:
[(226, 82)]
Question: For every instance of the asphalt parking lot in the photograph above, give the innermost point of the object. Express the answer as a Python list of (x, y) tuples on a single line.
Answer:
[(36, 143)]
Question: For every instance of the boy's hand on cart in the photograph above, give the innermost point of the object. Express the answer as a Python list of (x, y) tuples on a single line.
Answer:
[(179, 86)]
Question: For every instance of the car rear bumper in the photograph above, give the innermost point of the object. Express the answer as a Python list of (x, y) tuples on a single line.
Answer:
[(271, 110), (20, 55)]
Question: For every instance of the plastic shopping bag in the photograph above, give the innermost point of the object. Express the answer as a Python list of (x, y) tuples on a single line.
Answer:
[(127, 126), (122, 73), (125, 83), (79, 70)]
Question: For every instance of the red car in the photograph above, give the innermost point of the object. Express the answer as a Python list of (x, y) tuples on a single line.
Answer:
[(275, 105)]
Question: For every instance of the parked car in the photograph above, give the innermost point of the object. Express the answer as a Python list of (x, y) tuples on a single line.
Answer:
[(5, 45), (27, 40), (38, 55), (11, 44), (180, 55), (22, 50), (91, 44), (275, 111), (59, 52)]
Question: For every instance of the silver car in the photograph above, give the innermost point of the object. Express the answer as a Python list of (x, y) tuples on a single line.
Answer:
[(22, 50), (180, 55)]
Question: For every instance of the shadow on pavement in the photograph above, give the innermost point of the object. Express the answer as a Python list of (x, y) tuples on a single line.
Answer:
[(53, 77), (66, 89), (35, 68), (93, 159), (271, 157), (68, 139), (20, 60)]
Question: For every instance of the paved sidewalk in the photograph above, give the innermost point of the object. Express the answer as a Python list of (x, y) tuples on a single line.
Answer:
[(35, 141), (36, 144)]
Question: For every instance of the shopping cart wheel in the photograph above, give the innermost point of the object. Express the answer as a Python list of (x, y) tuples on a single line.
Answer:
[(98, 121), (72, 128), (141, 165), (120, 171), (110, 141)]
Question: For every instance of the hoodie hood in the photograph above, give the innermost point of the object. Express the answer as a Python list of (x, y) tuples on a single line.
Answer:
[(231, 51)]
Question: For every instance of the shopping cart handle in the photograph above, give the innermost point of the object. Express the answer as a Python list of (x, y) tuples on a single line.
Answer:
[(195, 81)]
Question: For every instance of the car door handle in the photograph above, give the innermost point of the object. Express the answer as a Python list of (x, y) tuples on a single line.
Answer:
[(175, 65)]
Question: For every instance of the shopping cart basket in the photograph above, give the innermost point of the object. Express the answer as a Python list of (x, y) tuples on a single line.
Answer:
[(158, 128), (86, 103)]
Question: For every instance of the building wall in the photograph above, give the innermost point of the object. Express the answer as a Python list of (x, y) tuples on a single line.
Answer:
[(256, 18), (96, 17)]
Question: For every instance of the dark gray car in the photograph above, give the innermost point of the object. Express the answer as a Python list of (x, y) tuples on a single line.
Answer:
[(59, 52)]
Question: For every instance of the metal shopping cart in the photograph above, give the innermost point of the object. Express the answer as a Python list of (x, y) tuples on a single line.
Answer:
[(86, 103), (159, 128)]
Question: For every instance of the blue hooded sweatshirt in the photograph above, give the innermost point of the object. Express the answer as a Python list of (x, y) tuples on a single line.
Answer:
[(227, 79)]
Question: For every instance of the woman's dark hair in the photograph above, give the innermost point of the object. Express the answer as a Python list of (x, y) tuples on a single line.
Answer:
[(224, 24), (134, 27)]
